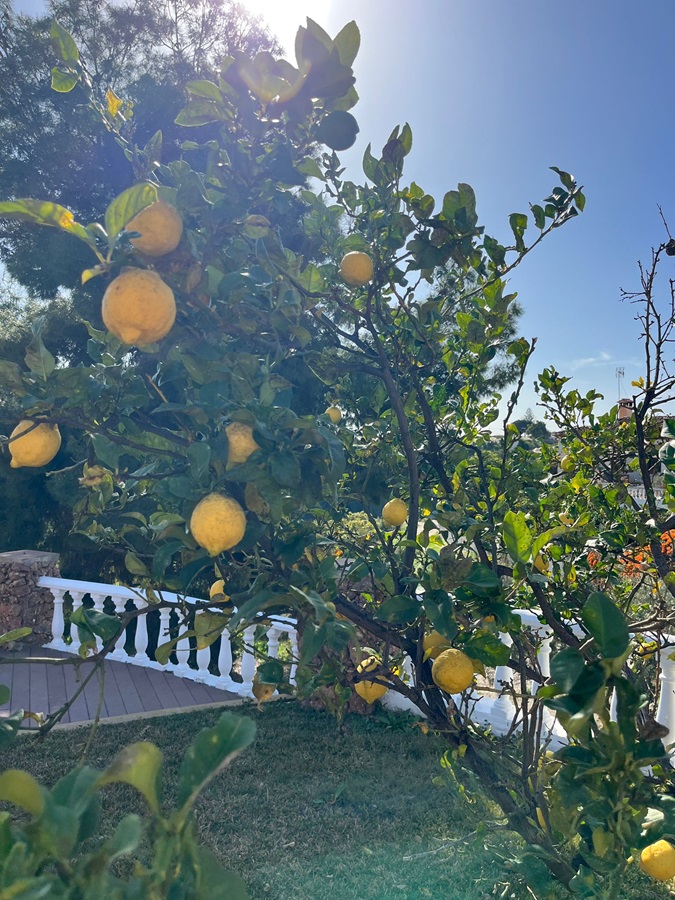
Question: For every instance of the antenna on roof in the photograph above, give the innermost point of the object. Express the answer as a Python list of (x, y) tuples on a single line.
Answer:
[(619, 376)]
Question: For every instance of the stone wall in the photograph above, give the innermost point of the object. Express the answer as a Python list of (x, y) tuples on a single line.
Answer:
[(22, 602)]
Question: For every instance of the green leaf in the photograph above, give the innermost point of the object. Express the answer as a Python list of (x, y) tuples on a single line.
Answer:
[(518, 223), (208, 627), (138, 765), (63, 82), (606, 624), (215, 882), (44, 212), (439, 608), (206, 89), (199, 457), (63, 43), (199, 112), (211, 751), (539, 215), (38, 359), (399, 610), (9, 727), (105, 626), (127, 205), (126, 837), (134, 565), (21, 789), (517, 536), (285, 468), (347, 43), (488, 649), (566, 668), (270, 672), (16, 634), (5, 694)]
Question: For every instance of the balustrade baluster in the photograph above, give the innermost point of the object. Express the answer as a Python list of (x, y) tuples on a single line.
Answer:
[(163, 636), (665, 714), (119, 653), (58, 623), (76, 597), (141, 640), (248, 662), (293, 638), (503, 710), (225, 663)]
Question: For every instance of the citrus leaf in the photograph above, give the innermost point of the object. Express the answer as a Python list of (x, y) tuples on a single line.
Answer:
[(138, 765), (44, 212), (218, 883), (21, 789), (208, 628), (63, 43), (16, 634), (63, 82), (211, 751), (127, 205), (606, 624)]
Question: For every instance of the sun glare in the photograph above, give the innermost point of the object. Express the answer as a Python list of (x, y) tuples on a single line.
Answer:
[(285, 16)]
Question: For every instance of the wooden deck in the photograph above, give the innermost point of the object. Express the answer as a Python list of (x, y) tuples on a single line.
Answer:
[(128, 690)]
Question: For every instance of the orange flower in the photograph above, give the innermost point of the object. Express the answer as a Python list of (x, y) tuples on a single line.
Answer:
[(593, 558)]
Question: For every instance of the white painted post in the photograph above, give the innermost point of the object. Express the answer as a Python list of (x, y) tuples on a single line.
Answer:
[(58, 623), (225, 663), (665, 714), (503, 711), (141, 642), (273, 636), (119, 653), (293, 638), (203, 660), (248, 663), (183, 670), (76, 597), (163, 636)]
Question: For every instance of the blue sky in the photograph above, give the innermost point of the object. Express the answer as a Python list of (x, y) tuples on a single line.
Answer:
[(495, 92)]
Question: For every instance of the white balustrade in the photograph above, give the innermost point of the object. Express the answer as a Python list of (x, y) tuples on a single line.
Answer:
[(138, 653), (498, 710)]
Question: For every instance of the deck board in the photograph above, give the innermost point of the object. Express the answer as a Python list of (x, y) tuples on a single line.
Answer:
[(128, 689)]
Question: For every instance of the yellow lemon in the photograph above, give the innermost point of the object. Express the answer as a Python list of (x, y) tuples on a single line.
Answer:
[(658, 860), (395, 512), (434, 644), (262, 692), (217, 592), (334, 413), (452, 671), (356, 268), (567, 463), (160, 229), (370, 691), (138, 307), (241, 443), (37, 447), (217, 523)]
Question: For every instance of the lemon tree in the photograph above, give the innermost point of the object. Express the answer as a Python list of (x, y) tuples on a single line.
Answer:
[(314, 419)]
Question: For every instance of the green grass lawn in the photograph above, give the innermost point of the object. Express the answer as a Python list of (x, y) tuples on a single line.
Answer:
[(309, 813)]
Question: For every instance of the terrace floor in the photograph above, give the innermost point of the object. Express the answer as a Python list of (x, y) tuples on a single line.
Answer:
[(128, 690)]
